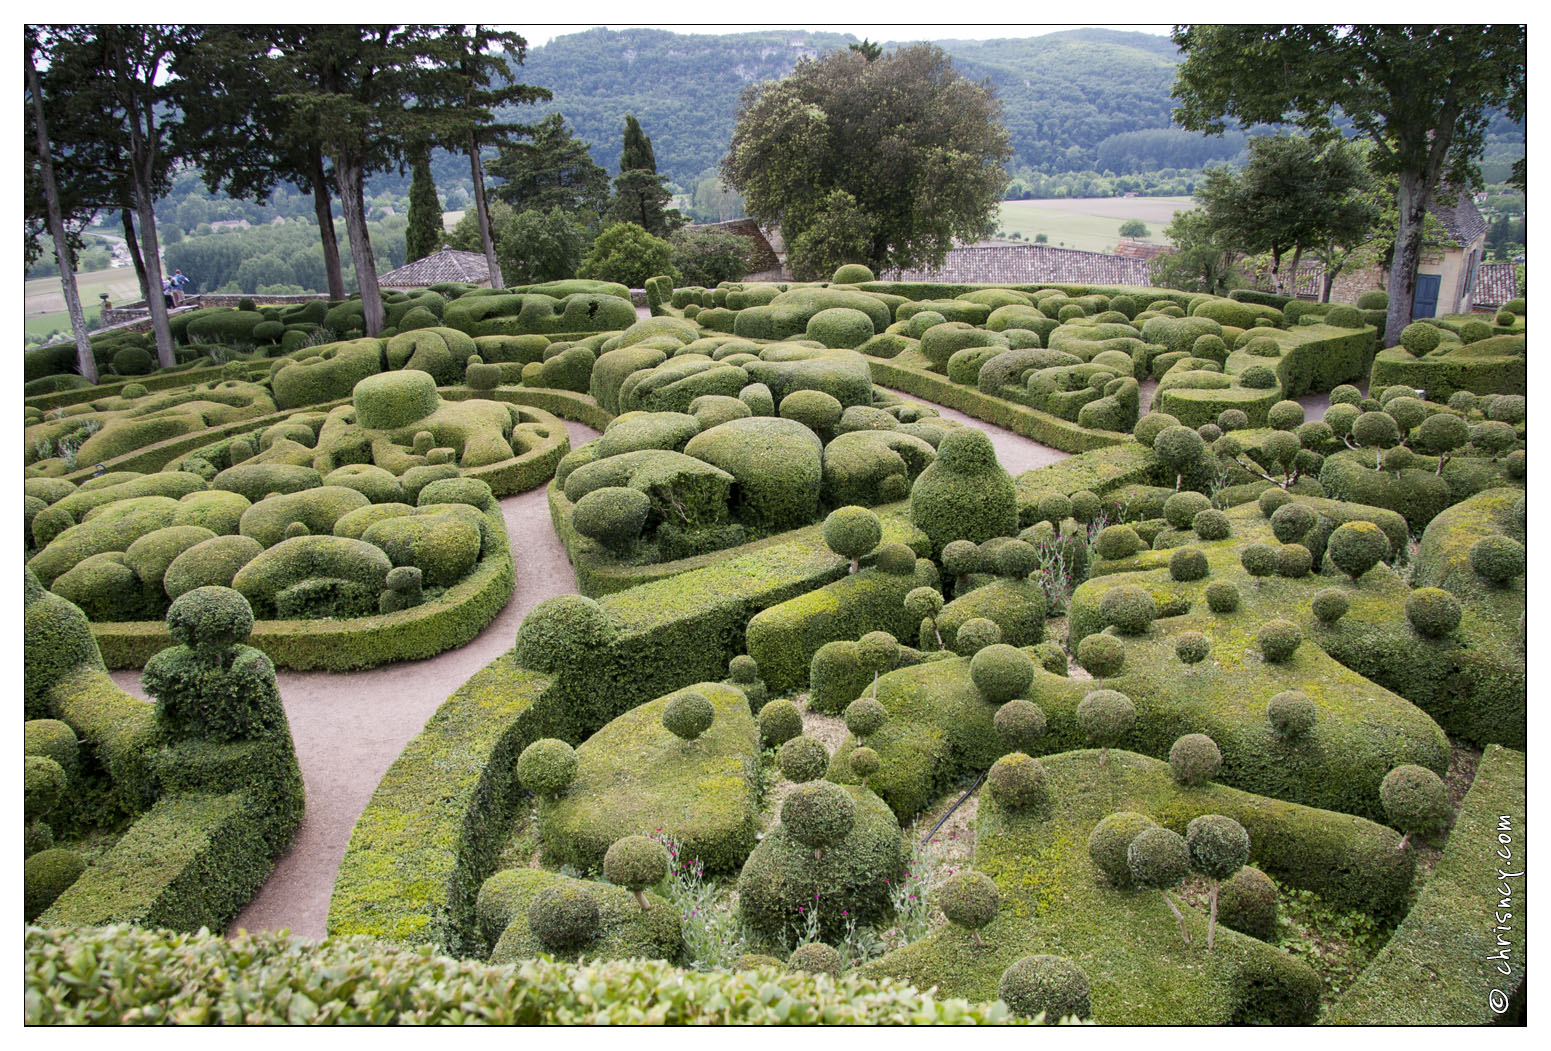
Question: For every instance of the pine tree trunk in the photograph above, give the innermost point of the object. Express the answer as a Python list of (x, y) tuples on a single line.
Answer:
[(323, 208), (132, 240), (349, 175), (85, 361), (482, 212), (1412, 198)]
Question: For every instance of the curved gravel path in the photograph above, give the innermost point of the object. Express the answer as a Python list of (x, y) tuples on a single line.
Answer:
[(349, 727)]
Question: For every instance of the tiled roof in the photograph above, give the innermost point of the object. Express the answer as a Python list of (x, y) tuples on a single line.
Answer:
[(1140, 249), (1462, 221), (1496, 283), (761, 247), (1025, 264), (447, 265)]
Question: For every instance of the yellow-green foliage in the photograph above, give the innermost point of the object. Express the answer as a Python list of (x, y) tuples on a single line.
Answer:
[(318, 509), (325, 373), (624, 930), (634, 777)]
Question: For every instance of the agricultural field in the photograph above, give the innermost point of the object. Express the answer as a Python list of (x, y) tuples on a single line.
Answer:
[(1091, 224)]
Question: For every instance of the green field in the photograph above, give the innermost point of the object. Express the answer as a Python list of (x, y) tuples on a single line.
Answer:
[(44, 296), (1089, 223)]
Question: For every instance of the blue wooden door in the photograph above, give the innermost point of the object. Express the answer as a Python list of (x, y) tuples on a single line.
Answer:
[(1425, 302)]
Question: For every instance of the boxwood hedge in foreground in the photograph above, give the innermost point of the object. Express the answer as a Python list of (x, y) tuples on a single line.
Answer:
[(129, 976)]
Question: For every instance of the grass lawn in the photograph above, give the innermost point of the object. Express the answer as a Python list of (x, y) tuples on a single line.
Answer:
[(1089, 223), (45, 297)]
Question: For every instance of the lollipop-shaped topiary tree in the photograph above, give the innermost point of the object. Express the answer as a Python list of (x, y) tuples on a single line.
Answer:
[(1219, 847)]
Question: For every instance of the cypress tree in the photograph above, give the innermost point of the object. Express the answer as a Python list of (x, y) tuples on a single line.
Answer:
[(424, 234)]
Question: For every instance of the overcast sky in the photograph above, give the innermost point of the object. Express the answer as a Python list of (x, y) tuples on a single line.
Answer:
[(537, 35)]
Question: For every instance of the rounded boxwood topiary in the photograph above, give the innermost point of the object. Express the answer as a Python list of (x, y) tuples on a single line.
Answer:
[(779, 722), (547, 766), (1050, 986), (970, 900), (1314, 434), (1209, 432), (1101, 655), (44, 782), (1433, 612), (564, 917), (1128, 609), (864, 762), (974, 635), (743, 670), (1247, 903), (1222, 596), (1441, 433), (560, 632), (1105, 717), (1020, 724), (1194, 759), (1177, 448), (1294, 561), (1507, 408), (1284, 416), (896, 559), (612, 515), (1514, 465), (1001, 672), (1017, 781), (803, 758), (1086, 506), (1345, 394), (1420, 338), (1111, 839), (1258, 560), (1117, 541), (1158, 858), (1233, 420), (1415, 800), (1257, 377), (210, 620), (816, 958), (816, 410), (877, 652), (1054, 508), (841, 327), (851, 274), (923, 602), (1218, 845), (1188, 563), (1375, 430), (1278, 640), (1181, 509), (1211, 524), (1016, 559), (53, 738), (1191, 647), (865, 716), (688, 715), (1497, 558), (1153, 424), (1273, 500), (1291, 522), (1356, 547), (46, 875), (1330, 605), (1291, 714), (818, 814), (635, 863), (852, 532)]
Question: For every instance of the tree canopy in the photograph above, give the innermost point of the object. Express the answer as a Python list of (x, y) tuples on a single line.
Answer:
[(919, 149)]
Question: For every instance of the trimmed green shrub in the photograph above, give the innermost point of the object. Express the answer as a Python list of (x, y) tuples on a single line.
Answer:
[(48, 874), (1356, 547), (964, 494), (1419, 338), (1158, 858), (1222, 597), (1129, 609), (1415, 800), (852, 532), (1433, 612), (547, 766), (1101, 655), (1192, 647), (1211, 524), (1188, 563), (1284, 416), (1330, 605), (779, 722), (557, 629), (1105, 717), (688, 715), (803, 759), (1180, 509), (818, 814), (612, 515), (976, 634), (1247, 903), (1001, 672), (564, 917), (1019, 723), (1291, 713), (635, 863), (1050, 986), (209, 621), (1194, 759), (970, 900), (1294, 561), (1110, 842), (1497, 558), (1017, 782), (1117, 541), (865, 716), (1278, 640), (815, 958)]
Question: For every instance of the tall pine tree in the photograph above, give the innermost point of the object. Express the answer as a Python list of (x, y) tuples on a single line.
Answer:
[(640, 194), (425, 235)]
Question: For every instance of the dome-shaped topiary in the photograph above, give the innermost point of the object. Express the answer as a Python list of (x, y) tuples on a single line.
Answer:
[(1017, 781), (1188, 563), (46, 875), (1294, 561), (564, 917), (852, 532), (865, 716), (974, 635), (1153, 424), (1508, 408), (877, 652), (1052, 507), (1178, 448), (1258, 560), (1001, 672), (1497, 558), (1111, 839), (1356, 547), (1375, 430), (1420, 338), (803, 758), (1209, 432), (1433, 612), (1211, 524), (1218, 845), (1101, 655), (1273, 500), (1233, 420), (1105, 717), (1342, 316), (1158, 858), (1284, 416), (923, 602), (1257, 377), (1291, 521), (562, 633), (896, 559), (210, 620), (1181, 508), (1050, 986), (612, 515), (779, 722), (851, 274), (1117, 541), (1291, 714), (547, 766), (816, 410), (1128, 609), (1191, 647), (816, 958), (864, 762), (45, 782), (1086, 506), (1278, 640), (1222, 596), (635, 863), (1020, 724), (1194, 759), (1330, 605), (743, 669), (1016, 559), (970, 900), (1247, 903), (1415, 800), (1345, 394), (1314, 434), (964, 494), (818, 814), (688, 715)]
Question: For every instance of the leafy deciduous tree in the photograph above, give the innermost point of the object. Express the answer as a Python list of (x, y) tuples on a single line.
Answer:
[(552, 170)]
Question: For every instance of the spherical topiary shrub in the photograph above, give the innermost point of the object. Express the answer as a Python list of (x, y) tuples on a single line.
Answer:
[(612, 515), (44, 785), (1294, 561), (896, 559), (1191, 647), (1117, 541), (864, 762), (1258, 560), (1101, 655), (1017, 781), (1508, 408), (1209, 432), (803, 758), (1433, 612), (851, 274), (688, 715), (974, 635), (210, 620), (1128, 609), (1052, 507), (964, 494), (1001, 672), (46, 875), (852, 532), (1105, 717), (1194, 759), (1291, 714), (1257, 377), (53, 738), (1153, 424), (1291, 521), (562, 632), (1420, 338), (842, 327), (1314, 434), (1233, 419), (1247, 903), (1330, 605), (1188, 563), (1111, 839), (1375, 430), (1497, 558), (547, 766), (635, 863), (1020, 724), (1211, 524), (1050, 986), (865, 716), (1219, 847), (1222, 596), (1278, 640), (564, 917), (1514, 464), (1158, 858), (1015, 559), (877, 652), (1415, 800), (743, 669), (1356, 547), (296, 529), (1284, 416), (1086, 506), (816, 958), (779, 722), (390, 400), (1177, 448), (1181, 509), (818, 814), (1273, 500), (969, 900)]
